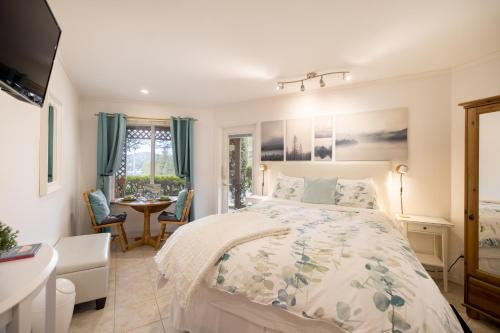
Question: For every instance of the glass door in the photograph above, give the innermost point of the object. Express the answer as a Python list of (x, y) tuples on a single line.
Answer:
[(238, 169)]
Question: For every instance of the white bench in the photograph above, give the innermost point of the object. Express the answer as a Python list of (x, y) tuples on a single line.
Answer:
[(85, 261)]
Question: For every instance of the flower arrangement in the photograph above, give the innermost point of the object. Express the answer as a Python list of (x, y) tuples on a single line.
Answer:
[(7, 237)]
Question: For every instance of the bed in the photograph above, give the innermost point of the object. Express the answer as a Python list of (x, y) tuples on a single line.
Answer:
[(338, 269), (489, 236)]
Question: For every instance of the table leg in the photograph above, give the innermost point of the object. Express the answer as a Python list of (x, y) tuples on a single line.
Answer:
[(50, 303), (147, 229), (21, 317), (444, 244)]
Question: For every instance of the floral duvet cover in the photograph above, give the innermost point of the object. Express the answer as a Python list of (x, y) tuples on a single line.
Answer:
[(349, 267), (489, 224)]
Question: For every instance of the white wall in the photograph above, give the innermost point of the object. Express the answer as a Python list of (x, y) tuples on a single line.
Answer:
[(38, 219), (470, 82), (204, 199), (427, 97)]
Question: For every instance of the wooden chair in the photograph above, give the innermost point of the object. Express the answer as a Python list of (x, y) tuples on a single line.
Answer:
[(169, 218), (112, 221)]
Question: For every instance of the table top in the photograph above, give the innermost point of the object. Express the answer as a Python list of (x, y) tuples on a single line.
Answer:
[(138, 203), (424, 220), (19, 278)]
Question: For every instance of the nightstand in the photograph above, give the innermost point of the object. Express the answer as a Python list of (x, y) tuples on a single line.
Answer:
[(435, 227)]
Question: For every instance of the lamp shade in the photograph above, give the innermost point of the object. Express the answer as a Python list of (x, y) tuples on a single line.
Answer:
[(401, 168), (262, 167)]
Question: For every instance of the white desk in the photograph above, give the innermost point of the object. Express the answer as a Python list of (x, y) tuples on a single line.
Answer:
[(434, 226), (21, 280)]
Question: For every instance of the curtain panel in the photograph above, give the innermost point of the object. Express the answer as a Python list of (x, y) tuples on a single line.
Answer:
[(110, 141), (182, 147)]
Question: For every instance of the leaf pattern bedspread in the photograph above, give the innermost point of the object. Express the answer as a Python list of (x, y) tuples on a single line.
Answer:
[(349, 267)]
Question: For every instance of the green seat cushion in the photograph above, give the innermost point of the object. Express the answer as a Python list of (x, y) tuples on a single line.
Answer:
[(99, 206), (319, 191), (181, 202)]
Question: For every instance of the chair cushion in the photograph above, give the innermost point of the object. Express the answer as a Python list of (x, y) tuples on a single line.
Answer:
[(99, 205), (115, 218), (181, 202), (167, 216), (84, 252)]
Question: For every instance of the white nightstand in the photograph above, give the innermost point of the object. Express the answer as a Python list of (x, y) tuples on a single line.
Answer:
[(434, 226)]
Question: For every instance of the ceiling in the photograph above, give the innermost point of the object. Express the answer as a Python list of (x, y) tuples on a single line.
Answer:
[(203, 53)]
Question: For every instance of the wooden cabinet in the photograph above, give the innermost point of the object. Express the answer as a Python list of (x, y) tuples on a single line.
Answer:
[(482, 208)]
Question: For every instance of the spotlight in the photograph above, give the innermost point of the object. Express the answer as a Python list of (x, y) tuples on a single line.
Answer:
[(302, 86), (322, 82), (347, 76), (280, 86)]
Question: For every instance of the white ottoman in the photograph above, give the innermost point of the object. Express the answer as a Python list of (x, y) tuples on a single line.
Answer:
[(84, 260)]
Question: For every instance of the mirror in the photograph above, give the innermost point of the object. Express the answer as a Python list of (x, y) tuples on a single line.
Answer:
[(489, 193)]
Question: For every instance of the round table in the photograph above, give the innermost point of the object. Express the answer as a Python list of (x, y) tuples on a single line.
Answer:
[(21, 281), (147, 208)]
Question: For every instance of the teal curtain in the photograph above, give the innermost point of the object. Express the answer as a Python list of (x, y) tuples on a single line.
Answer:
[(182, 147), (110, 141)]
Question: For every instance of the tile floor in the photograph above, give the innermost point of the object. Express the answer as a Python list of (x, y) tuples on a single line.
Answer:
[(136, 304)]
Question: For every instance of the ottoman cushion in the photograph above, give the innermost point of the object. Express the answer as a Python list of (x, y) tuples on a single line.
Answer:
[(82, 252)]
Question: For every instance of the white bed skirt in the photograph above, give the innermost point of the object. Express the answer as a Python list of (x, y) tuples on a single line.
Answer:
[(214, 311)]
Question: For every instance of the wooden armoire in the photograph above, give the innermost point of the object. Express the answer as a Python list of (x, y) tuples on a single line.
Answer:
[(482, 208)]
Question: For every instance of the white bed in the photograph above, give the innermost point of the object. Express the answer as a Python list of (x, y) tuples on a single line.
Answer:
[(367, 260)]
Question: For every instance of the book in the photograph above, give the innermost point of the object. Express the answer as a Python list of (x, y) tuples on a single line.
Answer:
[(20, 252)]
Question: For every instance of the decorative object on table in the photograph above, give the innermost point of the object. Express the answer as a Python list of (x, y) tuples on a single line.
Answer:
[(372, 136), (129, 198), (262, 168), (164, 198), (7, 237), (111, 221), (298, 139), (181, 215), (401, 169), (272, 143), (20, 252), (323, 138), (152, 191)]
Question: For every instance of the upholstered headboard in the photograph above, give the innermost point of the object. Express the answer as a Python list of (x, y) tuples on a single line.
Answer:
[(380, 172)]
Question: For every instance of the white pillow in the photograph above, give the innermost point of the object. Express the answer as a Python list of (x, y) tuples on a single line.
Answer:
[(359, 193), (289, 188)]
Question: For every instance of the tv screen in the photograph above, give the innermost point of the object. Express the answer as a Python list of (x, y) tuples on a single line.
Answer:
[(29, 35)]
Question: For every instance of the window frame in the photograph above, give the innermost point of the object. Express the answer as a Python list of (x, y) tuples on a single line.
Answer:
[(46, 187), (152, 170)]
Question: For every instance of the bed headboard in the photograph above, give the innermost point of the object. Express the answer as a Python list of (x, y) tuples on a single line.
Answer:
[(380, 172)]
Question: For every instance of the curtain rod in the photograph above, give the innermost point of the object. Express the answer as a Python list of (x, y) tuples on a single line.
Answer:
[(143, 118)]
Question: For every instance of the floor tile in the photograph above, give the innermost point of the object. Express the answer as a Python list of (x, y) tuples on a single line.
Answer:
[(156, 327), (134, 315)]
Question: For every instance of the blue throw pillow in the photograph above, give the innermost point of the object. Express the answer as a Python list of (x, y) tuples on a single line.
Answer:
[(320, 191), (181, 202), (99, 205)]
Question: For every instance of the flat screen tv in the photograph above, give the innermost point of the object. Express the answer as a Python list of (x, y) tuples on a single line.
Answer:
[(29, 35)]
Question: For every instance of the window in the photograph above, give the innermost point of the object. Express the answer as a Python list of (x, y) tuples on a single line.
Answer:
[(147, 159), (50, 146)]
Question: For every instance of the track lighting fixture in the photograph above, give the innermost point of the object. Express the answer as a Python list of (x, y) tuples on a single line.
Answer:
[(322, 82), (281, 84)]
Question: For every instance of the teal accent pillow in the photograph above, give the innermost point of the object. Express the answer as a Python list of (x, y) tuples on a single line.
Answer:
[(99, 205), (320, 191), (181, 202)]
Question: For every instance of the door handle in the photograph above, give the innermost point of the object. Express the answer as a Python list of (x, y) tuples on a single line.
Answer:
[(471, 217)]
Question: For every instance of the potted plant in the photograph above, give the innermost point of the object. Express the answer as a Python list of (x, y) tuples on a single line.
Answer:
[(7, 237)]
